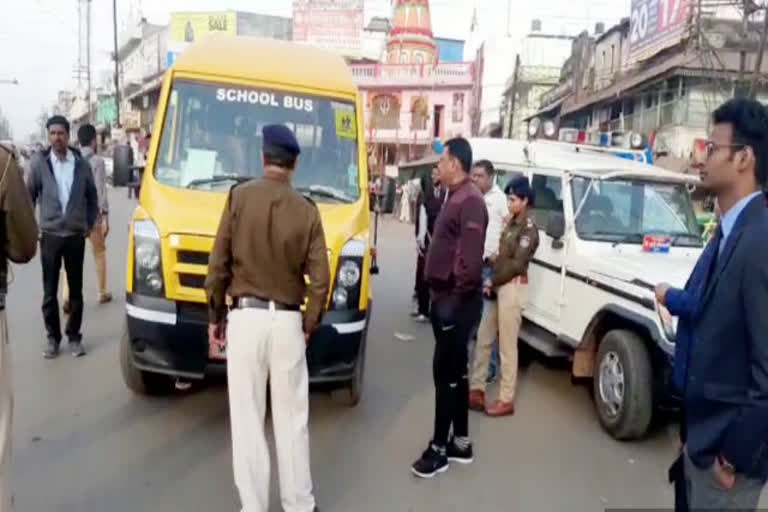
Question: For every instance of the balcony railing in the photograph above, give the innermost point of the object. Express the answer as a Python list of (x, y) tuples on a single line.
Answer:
[(399, 75)]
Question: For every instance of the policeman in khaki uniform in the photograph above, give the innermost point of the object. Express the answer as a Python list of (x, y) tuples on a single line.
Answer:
[(519, 241), (269, 237), (18, 238)]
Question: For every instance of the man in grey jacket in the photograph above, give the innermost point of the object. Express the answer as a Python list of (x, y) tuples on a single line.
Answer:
[(61, 181)]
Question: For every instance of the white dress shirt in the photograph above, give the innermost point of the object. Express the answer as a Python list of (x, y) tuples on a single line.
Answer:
[(496, 202), (64, 172)]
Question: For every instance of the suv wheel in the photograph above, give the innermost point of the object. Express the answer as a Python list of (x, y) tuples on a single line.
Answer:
[(138, 381), (623, 385)]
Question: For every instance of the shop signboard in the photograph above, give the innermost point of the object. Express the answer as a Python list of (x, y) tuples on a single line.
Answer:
[(335, 25), (656, 25)]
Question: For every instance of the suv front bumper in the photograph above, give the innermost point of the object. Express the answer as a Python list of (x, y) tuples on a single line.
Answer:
[(171, 337)]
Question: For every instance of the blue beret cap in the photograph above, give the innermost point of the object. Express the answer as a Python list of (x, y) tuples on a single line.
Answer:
[(280, 136)]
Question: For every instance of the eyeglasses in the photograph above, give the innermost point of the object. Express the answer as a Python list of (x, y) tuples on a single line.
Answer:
[(711, 147)]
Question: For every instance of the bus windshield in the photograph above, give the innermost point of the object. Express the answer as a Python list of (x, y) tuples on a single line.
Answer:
[(212, 139)]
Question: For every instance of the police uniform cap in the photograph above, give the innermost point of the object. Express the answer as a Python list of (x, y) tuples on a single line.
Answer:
[(280, 136)]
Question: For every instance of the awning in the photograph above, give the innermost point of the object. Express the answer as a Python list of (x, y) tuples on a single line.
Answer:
[(548, 108), (150, 86)]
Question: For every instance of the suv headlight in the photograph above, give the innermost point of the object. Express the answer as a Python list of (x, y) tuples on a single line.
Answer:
[(668, 322), (147, 263), (346, 293)]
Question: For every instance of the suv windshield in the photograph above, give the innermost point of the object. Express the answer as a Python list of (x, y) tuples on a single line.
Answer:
[(625, 211), (212, 139)]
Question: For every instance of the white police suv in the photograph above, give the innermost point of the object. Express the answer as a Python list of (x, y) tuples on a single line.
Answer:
[(610, 228)]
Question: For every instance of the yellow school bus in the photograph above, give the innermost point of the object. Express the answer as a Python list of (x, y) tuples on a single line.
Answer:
[(206, 138)]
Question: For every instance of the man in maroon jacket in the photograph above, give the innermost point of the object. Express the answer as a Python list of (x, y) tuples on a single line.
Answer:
[(453, 271)]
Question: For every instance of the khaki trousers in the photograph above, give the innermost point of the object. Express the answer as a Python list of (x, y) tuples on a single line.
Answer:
[(99, 247), (6, 416), (267, 344), (502, 317)]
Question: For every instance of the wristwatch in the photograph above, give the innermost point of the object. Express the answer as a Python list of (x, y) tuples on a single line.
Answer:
[(727, 466)]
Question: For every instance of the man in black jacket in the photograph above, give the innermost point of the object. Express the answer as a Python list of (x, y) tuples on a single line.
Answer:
[(61, 181), (453, 271)]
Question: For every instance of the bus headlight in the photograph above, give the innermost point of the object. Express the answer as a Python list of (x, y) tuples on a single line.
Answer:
[(147, 263), (340, 297), (346, 293), (349, 273)]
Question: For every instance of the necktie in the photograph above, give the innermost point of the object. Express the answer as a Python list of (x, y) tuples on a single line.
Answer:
[(714, 252)]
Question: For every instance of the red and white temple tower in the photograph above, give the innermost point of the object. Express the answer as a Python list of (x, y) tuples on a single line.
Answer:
[(411, 98)]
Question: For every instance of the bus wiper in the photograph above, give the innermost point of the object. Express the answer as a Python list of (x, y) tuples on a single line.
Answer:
[(326, 192), (218, 179)]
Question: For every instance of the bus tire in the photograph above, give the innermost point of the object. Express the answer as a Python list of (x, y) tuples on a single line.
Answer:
[(139, 381)]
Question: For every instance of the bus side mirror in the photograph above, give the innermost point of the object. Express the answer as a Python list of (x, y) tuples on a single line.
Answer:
[(122, 165), (556, 229)]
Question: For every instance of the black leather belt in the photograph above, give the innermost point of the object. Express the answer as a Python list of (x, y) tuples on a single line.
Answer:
[(257, 303)]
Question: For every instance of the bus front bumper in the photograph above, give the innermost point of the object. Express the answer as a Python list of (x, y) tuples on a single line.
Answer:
[(171, 338)]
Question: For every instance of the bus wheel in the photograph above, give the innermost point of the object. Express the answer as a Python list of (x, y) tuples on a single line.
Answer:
[(139, 381), (352, 391)]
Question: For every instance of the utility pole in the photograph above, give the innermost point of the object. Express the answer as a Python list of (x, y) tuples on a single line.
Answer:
[(760, 52), (743, 53), (513, 98), (117, 62), (509, 17), (88, 57), (741, 84)]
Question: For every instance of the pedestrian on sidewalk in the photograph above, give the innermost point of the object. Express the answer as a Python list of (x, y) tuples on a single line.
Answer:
[(18, 243), (509, 282), (268, 237), (725, 381), (61, 182), (484, 177), (453, 271), (429, 203), (86, 135)]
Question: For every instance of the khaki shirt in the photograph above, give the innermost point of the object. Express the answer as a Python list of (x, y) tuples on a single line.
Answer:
[(18, 215), (269, 237), (518, 243)]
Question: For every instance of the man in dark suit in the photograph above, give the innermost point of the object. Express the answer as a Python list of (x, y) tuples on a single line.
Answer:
[(726, 372)]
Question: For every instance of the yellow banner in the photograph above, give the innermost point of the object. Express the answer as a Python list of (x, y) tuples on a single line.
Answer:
[(346, 127), (188, 27)]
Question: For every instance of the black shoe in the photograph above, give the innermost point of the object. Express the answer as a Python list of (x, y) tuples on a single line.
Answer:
[(460, 455), (51, 350), (76, 348), (431, 463)]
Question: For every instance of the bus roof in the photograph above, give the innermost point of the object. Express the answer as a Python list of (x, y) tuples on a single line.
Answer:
[(267, 60)]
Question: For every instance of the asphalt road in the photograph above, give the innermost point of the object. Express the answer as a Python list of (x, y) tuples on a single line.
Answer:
[(84, 443)]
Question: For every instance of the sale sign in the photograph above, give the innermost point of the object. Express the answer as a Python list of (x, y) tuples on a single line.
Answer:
[(657, 24)]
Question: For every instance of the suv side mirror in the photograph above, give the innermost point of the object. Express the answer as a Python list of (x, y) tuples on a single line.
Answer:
[(556, 229), (122, 165)]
